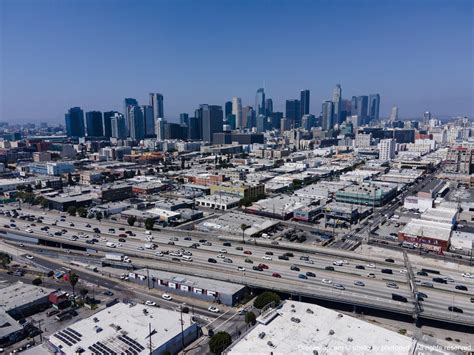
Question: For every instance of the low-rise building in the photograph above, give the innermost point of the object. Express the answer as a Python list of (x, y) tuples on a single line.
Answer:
[(425, 234), (218, 201), (21, 300), (370, 194)]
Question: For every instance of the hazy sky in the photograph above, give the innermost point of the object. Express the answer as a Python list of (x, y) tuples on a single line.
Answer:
[(92, 53)]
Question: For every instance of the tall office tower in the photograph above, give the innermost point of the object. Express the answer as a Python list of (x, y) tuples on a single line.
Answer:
[(362, 107), (195, 128), (184, 119), (107, 123), (260, 102), (94, 124), (137, 123), (128, 102), (237, 111), (228, 108), (262, 123), (426, 118), (285, 124), (337, 103), (248, 117), (147, 112), (394, 114), (212, 120), (387, 149), (304, 103), (268, 107), (275, 119), (75, 122), (374, 107), (156, 101), (160, 128), (118, 127), (293, 112), (354, 111), (308, 122), (327, 120)]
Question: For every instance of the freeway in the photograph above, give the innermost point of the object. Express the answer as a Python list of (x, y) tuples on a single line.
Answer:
[(374, 292)]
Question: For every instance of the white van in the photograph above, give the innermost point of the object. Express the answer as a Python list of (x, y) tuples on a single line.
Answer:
[(187, 258)]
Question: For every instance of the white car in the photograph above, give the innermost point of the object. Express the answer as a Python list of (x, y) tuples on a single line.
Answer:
[(338, 263), (468, 275), (223, 251), (372, 266), (29, 257), (309, 261), (29, 230), (403, 271), (266, 257), (167, 297), (241, 268), (221, 256), (359, 283), (150, 303), (159, 253), (392, 285), (326, 281), (213, 309)]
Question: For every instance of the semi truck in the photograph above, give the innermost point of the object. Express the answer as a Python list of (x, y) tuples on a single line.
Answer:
[(117, 257)]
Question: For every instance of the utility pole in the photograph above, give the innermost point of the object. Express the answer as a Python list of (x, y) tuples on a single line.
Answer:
[(182, 327), (149, 337), (148, 277)]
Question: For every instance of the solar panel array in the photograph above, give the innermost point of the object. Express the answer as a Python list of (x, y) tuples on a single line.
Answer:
[(68, 336), (134, 347), (100, 348)]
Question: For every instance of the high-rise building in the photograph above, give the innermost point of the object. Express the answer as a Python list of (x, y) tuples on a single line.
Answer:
[(212, 120), (137, 123), (195, 128), (260, 102), (147, 112), (268, 107), (394, 114), (304, 102), (107, 123), (387, 149), (94, 124), (228, 108), (327, 113), (156, 101), (275, 119), (75, 122), (237, 111), (426, 118), (184, 119), (118, 127), (175, 131), (128, 102), (248, 117), (362, 107), (354, 111), (337, 101), (293, 112), (374, 107), (308, 122), (262, 123), (160, 128)]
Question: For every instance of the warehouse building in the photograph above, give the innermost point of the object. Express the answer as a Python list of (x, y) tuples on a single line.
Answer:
[(21, 300), (280, 207), (425, 234), (374, 194), (219, 201)]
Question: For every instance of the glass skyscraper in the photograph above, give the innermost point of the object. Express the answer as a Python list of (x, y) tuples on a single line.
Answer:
[(293, 112), (304, 102), (327, 120), (374, 107), (337, 100), (212, 120), (260, 102), (137, 123), (94, 124), (75, 122)]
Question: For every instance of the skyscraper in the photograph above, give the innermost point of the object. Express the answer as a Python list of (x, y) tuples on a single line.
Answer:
[(212, 120), (195, 128), (107, 123), (362, 107), (160, 128), (268, 107), (248, 117), (308, 122), (337, 100), (184, 119), (147, 112), (260, 102), (426, 118), (293, 112), (228, 108), (394, 114), (237, 111), (304, 102), (94, 124), (75, 122), (354, 111), (387, 149), (327, 120), (261, 123), (118, 128), (137, 123), (156, 101), (374, 107), (128, 102)]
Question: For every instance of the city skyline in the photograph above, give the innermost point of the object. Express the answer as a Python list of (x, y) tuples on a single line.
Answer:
[(371, 53)]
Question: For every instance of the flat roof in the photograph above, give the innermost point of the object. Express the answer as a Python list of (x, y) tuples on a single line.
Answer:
[(280, 204), (20, 294), (121, 325), (305, 328), (8, 325), (428, 229)]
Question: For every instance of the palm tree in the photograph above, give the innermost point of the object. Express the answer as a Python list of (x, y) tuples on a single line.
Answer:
[(243, 227), (73, 279)]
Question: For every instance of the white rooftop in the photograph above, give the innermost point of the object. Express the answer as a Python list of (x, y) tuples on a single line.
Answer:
[(20, 294), (319, 329), (428, 229)]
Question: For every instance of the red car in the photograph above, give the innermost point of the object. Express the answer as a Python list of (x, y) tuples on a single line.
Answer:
[(263, 266), (276, 274), (248, 252)]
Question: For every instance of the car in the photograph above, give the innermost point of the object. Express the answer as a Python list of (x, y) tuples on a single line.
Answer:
[(338, 263), (294, 268), (71, 224), (302, 276), (371, 275), (326, 281), (211, 260), (359, 283), (392, 285), (247, 252), (386, 271), (257, 268), (108, 293), (422, 273), (263, 266), (239, 248), (461, 287), (202, 240), (220, 256), (361, 267), (159, 253), (268, 253), (29, 257), (227, 244), (170, 243), (389, 260), (421, 295), (455, 309), (240, 268), (207, 244), (276, 274), (329, 268), (310, 274), (448, 279), (290, 255), (150, 303), (309, 261), (283, 257), (339, 287), (468, 275), (372, 266), (403, 271), (88, 225), (266, 257), (213, 309), (427, 284), (227, 260), (141, 248), (250, 261), (167, 297), (439, 280)]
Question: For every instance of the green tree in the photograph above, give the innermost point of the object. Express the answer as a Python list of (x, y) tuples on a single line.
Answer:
[(72, 210), (4, 259), (83, 292), (266, 298), (149, 223), (99, 216), (73, 280), (82, 212), (243, 227), (297, 183), (250, 318), (131, 220), (37, 281), (219, 342)]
